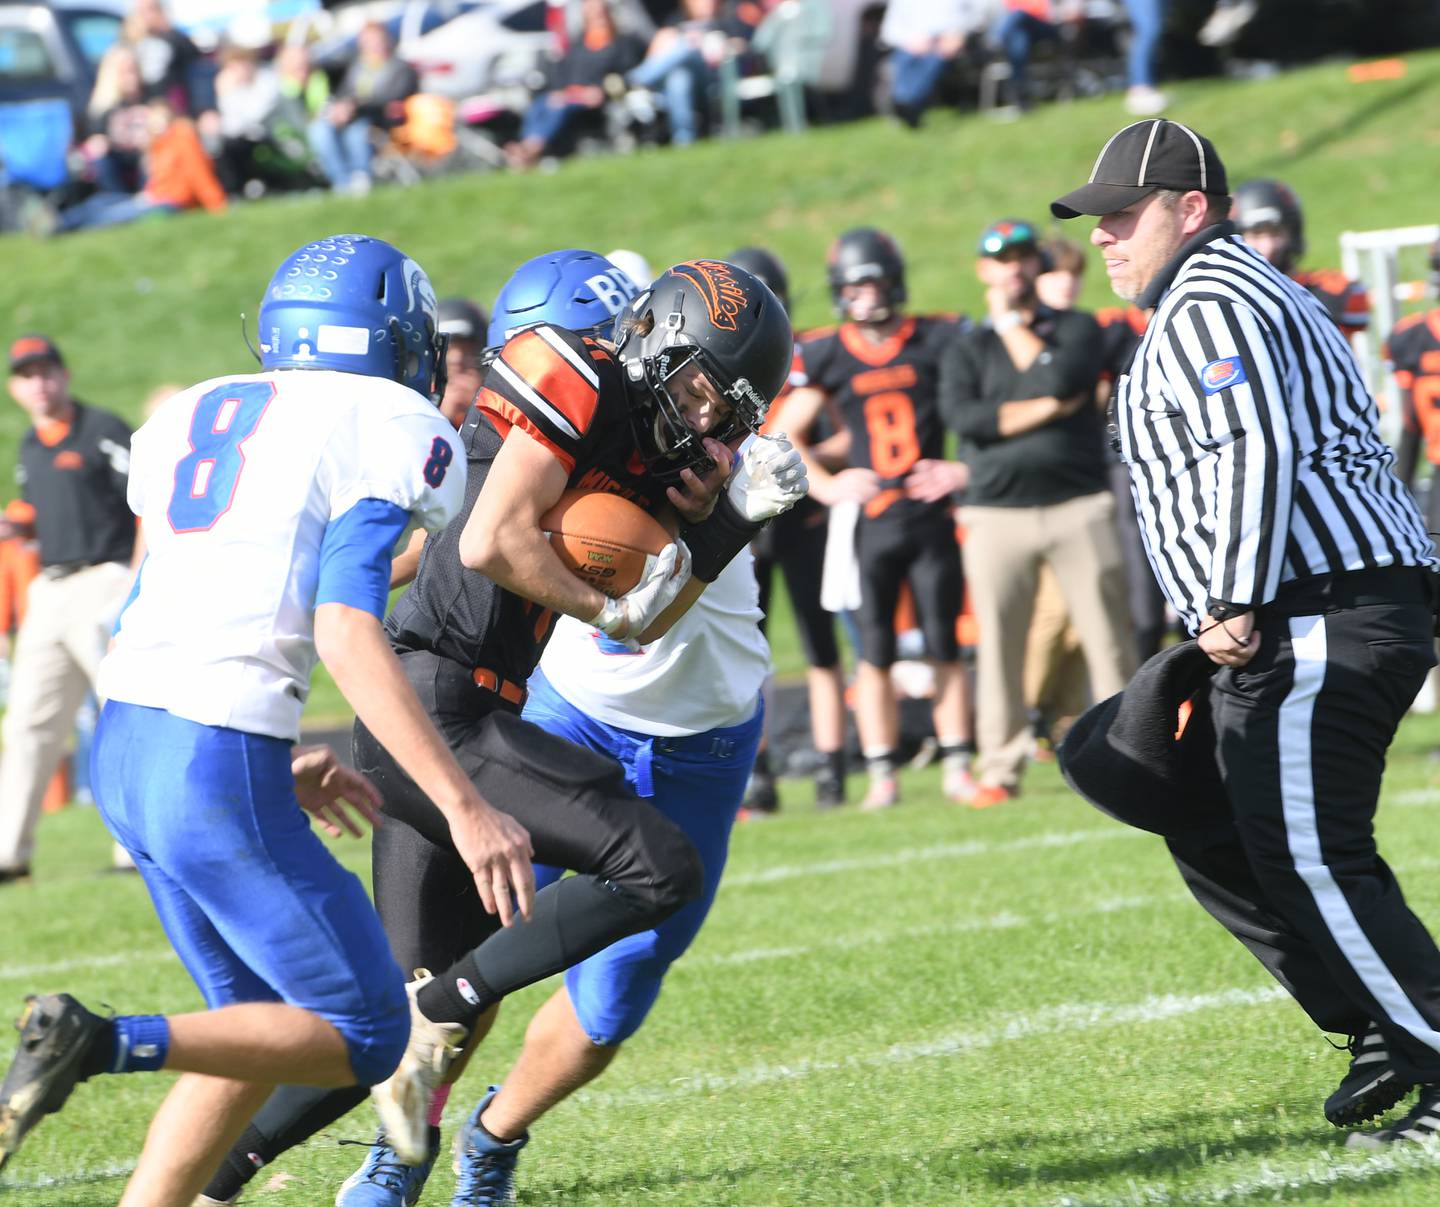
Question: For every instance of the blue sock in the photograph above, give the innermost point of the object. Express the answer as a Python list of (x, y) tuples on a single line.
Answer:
[(141, 1043)]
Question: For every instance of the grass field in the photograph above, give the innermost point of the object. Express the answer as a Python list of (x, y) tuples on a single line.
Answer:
[(1020, 1006)]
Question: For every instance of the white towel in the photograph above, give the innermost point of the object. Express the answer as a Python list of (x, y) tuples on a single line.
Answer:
[(840, 575)]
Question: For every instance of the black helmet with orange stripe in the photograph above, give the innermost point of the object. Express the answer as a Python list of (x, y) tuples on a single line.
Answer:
[(1270, 205), (766, 265), (866, 256), (726, 322)]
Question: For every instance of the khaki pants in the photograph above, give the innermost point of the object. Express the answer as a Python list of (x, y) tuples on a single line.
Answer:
[(1004, 550), (57, 655), (1056, 682)]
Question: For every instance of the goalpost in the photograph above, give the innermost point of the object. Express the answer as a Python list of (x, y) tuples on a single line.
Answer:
[(1391, 265)]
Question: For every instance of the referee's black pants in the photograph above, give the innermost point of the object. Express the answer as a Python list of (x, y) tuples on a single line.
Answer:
[(1291, 868)]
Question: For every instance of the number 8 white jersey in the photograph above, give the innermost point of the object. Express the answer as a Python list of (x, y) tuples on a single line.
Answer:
[(237, 480)]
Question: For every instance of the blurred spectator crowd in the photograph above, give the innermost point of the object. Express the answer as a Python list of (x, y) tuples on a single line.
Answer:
[(112, 114)]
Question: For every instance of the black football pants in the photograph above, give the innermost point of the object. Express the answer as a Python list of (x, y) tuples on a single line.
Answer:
[(634, 869), (1289, 865)]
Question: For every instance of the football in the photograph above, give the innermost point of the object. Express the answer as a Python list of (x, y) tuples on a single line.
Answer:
[(603, 538)]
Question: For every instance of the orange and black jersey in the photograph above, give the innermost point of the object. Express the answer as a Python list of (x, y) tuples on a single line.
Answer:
[(887, 396), (1413, 350), (567, 393), (1344, 300)]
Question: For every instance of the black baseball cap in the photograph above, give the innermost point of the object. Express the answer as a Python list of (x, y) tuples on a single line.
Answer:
[(1006, 235), (1150, 155), (33, 350)]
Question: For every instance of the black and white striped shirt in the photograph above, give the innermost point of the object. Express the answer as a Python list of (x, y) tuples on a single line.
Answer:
[(1251, 438)]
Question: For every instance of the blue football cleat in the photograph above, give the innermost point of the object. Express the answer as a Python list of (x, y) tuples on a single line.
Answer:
[(484, 1166), (384, 1180)]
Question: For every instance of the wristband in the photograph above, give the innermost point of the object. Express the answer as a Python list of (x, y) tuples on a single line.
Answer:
[(714, 542), (1219, 609), (1007, 322), (610, 618)]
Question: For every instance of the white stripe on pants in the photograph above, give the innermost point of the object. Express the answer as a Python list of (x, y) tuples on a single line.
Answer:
[(1297, 792), (57, 655)]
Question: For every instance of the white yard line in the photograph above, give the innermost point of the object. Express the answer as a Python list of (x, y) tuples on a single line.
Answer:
[(1000, 921), (1050, 1020), (1412, 798), (1325, 1169), (1048, 840), (23, 972), (80, 1177)]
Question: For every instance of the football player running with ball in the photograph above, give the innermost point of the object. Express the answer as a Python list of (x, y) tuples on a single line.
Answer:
[(696, 360), (682, 716), (271, 504)]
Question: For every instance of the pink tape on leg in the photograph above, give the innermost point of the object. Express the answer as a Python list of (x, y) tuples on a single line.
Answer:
[(437, 1104)]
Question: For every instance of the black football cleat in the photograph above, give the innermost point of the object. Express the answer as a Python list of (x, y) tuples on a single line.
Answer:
[(55, 1033), (1420, 1124), (1370, 1087)]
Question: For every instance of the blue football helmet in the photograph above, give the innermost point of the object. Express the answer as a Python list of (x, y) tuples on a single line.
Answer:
[(578, 290), (357, 305)]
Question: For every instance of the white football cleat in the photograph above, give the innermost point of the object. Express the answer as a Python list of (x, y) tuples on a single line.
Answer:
[(403, 1102)]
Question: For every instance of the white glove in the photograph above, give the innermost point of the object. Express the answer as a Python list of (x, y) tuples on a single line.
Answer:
[(665, 574), (769, 477)]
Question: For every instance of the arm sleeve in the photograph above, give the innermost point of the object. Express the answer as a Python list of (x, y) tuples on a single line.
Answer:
[(1231, 391), (355, 555), (974, 420)]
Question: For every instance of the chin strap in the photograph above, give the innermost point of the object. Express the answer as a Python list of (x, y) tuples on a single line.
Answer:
[(245, 335)]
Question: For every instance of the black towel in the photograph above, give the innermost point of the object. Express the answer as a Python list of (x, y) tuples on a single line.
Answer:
[(1122, 755)]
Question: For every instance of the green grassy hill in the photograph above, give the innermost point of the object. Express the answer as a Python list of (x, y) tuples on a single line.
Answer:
[(160, 302)]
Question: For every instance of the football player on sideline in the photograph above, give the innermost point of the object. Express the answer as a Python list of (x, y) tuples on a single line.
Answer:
[(699, 356), (1268, 216), (795, 546), (882, 367), (250, 577), (1413, 351)]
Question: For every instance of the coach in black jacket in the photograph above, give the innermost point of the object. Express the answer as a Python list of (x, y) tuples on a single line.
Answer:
[(1019, 389), (1279, 534)]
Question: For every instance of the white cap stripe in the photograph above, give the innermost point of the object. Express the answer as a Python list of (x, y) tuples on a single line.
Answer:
[(1199, 151), (1149, 142)]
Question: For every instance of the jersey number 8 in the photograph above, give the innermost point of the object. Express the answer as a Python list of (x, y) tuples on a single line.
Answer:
[(206, 477)]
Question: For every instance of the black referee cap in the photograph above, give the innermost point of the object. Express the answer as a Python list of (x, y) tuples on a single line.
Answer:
[(1150, 155)]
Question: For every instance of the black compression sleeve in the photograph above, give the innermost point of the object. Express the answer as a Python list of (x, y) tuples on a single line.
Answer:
[(714, 542), (290, 1116)]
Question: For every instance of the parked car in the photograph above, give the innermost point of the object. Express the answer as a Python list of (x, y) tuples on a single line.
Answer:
[(497, 46), (51, 50), (331, 32)]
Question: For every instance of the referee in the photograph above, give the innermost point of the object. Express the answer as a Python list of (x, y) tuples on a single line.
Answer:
[(1278, 532), (74, 463)]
